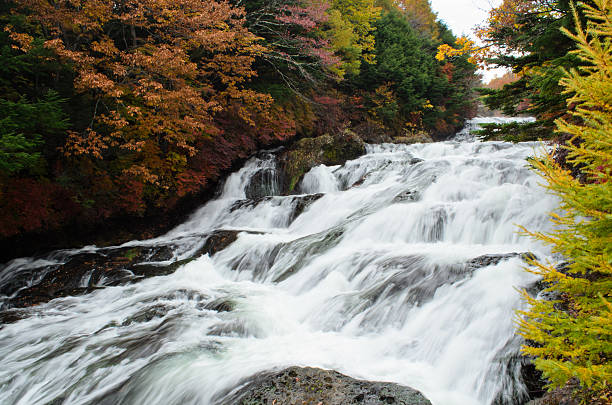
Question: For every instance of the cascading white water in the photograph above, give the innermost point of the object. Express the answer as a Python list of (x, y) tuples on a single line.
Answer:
[(375, 279)]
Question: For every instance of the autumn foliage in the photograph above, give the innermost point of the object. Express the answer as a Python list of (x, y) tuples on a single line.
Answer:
[(124, 108)]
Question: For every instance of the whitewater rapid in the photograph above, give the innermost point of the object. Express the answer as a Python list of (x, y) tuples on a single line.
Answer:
[(375, 278)]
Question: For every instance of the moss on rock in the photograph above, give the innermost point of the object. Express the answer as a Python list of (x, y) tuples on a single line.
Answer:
[(309, 152)]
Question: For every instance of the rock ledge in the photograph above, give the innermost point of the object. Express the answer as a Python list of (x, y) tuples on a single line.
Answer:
[(306, 385)]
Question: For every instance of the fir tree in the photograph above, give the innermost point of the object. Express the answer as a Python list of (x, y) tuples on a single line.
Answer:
[(572, 334)]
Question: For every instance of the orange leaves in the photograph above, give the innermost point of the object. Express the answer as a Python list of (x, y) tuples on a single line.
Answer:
[(92, 80), (87, 143), (159, 82), (499, 82), (105, 47), (23, 41), (142, 173), (155, 69)]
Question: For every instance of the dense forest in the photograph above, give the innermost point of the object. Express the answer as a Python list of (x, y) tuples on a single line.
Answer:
[(111, 111)]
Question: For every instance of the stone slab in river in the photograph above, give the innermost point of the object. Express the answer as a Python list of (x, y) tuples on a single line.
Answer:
[(306, 385)]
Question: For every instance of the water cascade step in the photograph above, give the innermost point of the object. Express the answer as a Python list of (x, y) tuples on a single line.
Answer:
[(399, 266)]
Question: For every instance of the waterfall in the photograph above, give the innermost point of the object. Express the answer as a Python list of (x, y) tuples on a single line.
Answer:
[(402, 265)]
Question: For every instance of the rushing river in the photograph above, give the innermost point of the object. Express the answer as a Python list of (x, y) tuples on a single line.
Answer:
[(393, 274)]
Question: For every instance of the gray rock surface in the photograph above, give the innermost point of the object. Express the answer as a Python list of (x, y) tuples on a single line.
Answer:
[(306, 385)]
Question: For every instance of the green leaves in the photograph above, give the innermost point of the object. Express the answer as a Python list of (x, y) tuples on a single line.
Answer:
[(23, 125)]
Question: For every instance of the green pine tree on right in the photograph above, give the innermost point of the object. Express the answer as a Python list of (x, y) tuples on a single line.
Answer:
[(571, 335)]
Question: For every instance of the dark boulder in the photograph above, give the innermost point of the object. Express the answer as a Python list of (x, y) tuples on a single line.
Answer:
[(306, 385), (303, 202), (85, 272), (310, 152), (217, 241), (262, 184)]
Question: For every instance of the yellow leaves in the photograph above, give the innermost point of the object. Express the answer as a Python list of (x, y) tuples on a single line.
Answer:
[(463, 46), (352, 27), (575, 336)]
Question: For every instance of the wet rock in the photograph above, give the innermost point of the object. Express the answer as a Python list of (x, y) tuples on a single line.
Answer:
[(217, 241), (79, 275), (147, 314), (522, 381), (306, 385), (532, 378), (248, 203), (309, 152), (221, 305), (493, 259), (262, 184), (407, 196), (303, 202), (306, 248), (11, 316), (85, 272), (146, 270)]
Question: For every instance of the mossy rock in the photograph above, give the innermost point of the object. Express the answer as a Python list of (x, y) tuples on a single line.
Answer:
[(417, 137), (307, 153)]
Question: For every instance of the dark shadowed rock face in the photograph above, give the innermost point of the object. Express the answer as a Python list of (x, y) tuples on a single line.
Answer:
[(561, 396), (306, 385), (85, 272)]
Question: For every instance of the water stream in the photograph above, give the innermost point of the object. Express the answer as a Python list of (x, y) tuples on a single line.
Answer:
[(387, 268)]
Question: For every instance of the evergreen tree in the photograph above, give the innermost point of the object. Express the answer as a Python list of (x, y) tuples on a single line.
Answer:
[(572, 334)]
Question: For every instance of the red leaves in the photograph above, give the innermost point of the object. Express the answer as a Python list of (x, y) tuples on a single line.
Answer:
[(306, 18), (190, 182), (131, 198), (447, 70), (28, 205)]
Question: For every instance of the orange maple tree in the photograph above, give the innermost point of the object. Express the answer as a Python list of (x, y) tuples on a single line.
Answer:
[(156, 72)]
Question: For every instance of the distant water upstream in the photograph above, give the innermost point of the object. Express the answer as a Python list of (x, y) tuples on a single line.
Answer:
[(377, 279)]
